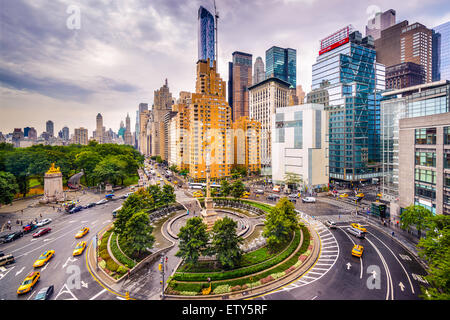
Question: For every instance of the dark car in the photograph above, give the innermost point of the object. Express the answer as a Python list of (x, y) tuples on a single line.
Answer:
[(42, 232), (1, 254), (45, 293), (76, 209), (29, 227), (293, 200), (90, 205), (13, 236), (273, 197)]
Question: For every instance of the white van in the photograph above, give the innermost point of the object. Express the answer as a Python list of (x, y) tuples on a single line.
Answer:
[(114, 213), (357, 233), (6, 260)]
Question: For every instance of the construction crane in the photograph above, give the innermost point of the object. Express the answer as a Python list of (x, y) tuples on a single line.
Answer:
[(216, 20)]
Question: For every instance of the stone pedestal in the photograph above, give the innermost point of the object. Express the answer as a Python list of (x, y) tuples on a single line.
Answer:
[(209, 215), (53, 186)]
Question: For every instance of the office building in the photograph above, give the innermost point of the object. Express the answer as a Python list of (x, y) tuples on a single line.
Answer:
[(17, 136), (347, 68), (64, 134), (441, 52), (99, 133), (179, 133), (415, 153), (127, 136), (240, 78), (282, 64), (264, 98), (209, 117), (404, 75), (259, 73), (299, 144), (143, 107), (300, 94), (162, 104), (81, 136), (50, 128), (402, 43), (206, 35), (247, 135), (380, 22)]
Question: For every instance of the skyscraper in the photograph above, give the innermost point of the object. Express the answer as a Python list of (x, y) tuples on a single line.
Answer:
[(403, 43), (282, 63), (381, 21), (441, 58), (354, 106), (100, 129), (239, 80), (49, 128), (259, 73), (127, 136), (206, 37), (80, 136)]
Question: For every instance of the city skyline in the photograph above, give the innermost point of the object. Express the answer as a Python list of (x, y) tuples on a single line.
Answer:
[(107, 66)]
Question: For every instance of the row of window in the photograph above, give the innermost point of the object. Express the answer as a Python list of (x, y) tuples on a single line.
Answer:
[(428, 136)]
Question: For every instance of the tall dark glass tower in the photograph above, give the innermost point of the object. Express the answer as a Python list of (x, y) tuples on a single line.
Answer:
[(206, 46), (282, 63)]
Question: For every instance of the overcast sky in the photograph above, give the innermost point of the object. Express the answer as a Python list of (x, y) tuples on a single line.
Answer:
[(125, 49)]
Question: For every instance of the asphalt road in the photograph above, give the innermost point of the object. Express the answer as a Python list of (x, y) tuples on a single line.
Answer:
[(69, 275)]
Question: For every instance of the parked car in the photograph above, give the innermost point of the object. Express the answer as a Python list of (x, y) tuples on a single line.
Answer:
[(41, 232), (90, 205), (258, 191), (1, 254), (29, 227), (293, 200), (330, 224), (102, 201), (45, 293), (273, 197), (76, 209), (4, 260), (44, 222), (13, 236), (276, 189), (293, 196), (309, 200)]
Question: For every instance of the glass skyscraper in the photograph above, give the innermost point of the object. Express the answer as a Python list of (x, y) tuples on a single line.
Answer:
[(348, 64), (206, 44), (282, 64), (441, 52)]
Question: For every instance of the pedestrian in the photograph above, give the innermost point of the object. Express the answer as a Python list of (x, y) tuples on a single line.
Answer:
[(22, 211), (393, 233), (40, 215)]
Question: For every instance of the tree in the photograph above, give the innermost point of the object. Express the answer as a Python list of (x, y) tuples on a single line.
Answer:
[(415, 215), (280, 224), (138, 232), (137, 201), (168, 195), (237, 189), (193, 240), (156, 194), (87, 160), (110, 170), (18, 163), (225, 243), (435, 249), (174, 168), (8, 187), (225, 188), (292, 180)]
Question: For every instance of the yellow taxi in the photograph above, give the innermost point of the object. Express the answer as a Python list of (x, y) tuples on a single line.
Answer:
[(360, 195), (43, 259), (246, 194), (198, 194), (357, 250), (157, 182), (344, 195), (29, 282), (79, 248), (82, 233), (175, 182), (359, 227)]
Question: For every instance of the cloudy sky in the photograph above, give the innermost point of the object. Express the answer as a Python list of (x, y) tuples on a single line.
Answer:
[(125, 49)]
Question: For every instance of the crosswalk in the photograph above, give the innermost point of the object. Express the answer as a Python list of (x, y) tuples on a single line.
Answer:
[(328, 255)]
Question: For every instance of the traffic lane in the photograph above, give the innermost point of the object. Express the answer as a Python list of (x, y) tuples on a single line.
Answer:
[(407, 273), (63, 246)]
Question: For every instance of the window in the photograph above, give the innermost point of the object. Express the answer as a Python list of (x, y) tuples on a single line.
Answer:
[(424, 191), (426, 136), (427, 159), (428, 176), (446, 135)]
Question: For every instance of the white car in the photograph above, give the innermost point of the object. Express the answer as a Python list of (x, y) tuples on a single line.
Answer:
[(102, 201), (43, 222), (293, 195), (259, 191), (309, 199)]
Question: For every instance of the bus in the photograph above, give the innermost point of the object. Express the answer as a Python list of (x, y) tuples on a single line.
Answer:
[(198, 185), (114, 213)]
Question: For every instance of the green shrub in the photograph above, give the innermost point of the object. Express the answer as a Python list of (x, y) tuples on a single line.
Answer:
[(188, 293), (111, 265), (102, 264), (222, 289)]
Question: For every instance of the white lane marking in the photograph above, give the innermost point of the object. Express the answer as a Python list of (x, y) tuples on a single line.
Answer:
[(94, 222), (390, 287), (104, 290), (2, 275), (31, 295), (66, 291), (20, 271)]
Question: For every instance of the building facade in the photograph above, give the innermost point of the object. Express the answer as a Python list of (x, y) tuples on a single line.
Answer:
[(240, 78), (50, 128), (414, 150), (441, 52), (300, 144), (80, 136), (259, 72), (380, 22), (404, 75), (281, 63), (206, 35), (353, 81), (247, 135), (264, 98)]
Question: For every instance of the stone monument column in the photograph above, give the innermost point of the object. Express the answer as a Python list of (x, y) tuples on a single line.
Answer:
[(53, 186)]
